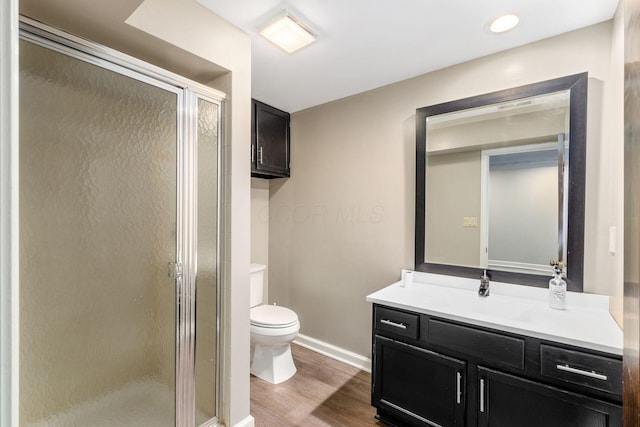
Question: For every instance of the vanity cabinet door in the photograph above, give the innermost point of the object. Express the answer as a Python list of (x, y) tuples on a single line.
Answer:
[(417, 387), (507, 401)]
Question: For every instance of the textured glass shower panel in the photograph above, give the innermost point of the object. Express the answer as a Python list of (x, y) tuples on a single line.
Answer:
[(207, 147), (97, 228)]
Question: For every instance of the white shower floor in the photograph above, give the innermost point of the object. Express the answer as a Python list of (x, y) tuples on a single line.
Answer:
[(140, 404)]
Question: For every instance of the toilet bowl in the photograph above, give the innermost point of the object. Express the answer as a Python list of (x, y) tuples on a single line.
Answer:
[(272, 330)]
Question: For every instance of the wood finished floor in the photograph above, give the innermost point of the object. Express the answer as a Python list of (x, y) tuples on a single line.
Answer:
[(324, 392)]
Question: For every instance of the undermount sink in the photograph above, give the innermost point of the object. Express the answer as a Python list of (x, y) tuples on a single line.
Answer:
[(468, 303), (500, 307)]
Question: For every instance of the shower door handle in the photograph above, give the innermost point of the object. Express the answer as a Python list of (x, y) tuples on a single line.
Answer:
[(175, 270)]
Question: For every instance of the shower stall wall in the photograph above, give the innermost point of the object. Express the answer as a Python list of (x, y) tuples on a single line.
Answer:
[(119, 227)]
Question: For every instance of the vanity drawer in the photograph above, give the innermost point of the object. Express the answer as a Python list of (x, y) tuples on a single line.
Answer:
[(584, 369), (487, 346), (397, 322)]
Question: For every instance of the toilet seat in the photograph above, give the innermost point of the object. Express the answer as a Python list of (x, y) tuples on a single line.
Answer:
[(272, 316)]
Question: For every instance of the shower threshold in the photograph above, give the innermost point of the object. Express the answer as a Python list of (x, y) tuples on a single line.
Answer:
[(142, 403)]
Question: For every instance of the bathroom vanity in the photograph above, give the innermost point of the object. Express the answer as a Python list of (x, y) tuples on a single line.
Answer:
[(445, 356), (442, 356)]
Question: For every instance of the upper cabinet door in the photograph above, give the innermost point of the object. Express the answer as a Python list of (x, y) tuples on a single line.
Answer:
[(269, 142)]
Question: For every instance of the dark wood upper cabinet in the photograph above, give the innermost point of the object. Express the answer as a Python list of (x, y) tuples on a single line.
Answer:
[(270, 141)]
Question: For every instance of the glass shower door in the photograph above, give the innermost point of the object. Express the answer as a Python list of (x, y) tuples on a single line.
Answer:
[(207, 147), (98, 192)]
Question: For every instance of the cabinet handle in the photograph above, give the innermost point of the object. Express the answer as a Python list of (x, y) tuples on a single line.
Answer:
[(260, 155), (590, 374), (458, 387), (394, 324), (481, 395), (253, 149)]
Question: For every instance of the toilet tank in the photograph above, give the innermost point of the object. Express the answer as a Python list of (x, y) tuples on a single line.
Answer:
[(256, 284)]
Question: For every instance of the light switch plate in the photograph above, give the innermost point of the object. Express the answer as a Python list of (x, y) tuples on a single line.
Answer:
[(612, 240), (470, 221)]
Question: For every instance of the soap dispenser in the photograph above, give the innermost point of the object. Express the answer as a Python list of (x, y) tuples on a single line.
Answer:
[(558, 287)]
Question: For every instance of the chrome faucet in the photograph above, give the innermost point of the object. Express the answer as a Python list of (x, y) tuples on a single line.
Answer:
[(483, 290)]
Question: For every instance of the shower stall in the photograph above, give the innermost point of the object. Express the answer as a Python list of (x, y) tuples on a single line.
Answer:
[(120, 169)]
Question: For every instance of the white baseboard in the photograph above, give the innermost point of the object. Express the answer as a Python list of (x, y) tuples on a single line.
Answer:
[(247, 422), (337, 353)]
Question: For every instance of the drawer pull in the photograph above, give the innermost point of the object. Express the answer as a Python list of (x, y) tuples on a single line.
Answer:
[(458, 387), (590, 374), (481, 395), (394, 324)]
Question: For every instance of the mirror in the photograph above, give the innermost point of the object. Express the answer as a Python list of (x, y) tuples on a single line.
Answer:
[(500, 183)]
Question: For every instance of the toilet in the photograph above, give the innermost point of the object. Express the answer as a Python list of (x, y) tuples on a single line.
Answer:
[(272, 329)]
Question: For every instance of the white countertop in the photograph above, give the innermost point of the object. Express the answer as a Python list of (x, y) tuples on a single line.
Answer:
[(512, 308)]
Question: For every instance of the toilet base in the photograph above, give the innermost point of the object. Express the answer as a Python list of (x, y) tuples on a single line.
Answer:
[(273, 364)]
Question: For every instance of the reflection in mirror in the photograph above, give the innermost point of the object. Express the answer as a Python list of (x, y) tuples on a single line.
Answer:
[(499, 183), (522, 202), (504, 158)]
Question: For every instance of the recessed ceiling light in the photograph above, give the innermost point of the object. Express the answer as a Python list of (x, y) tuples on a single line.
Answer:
[(504, 23), (288, 33)]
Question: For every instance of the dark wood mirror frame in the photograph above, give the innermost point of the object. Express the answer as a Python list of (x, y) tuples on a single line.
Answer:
[(577, 86)]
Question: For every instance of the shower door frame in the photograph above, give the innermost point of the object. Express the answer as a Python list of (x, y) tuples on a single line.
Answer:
[(9, 270), (187, 94)]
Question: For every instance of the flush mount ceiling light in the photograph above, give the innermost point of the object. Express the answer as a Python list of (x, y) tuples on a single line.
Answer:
[(288, 33), (504, 23)]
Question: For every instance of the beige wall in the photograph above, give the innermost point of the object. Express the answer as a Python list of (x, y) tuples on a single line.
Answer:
[(260, 226), (342, 226), (455, 182)]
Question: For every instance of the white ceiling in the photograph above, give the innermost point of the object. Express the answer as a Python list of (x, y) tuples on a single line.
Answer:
[(364, 44)]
